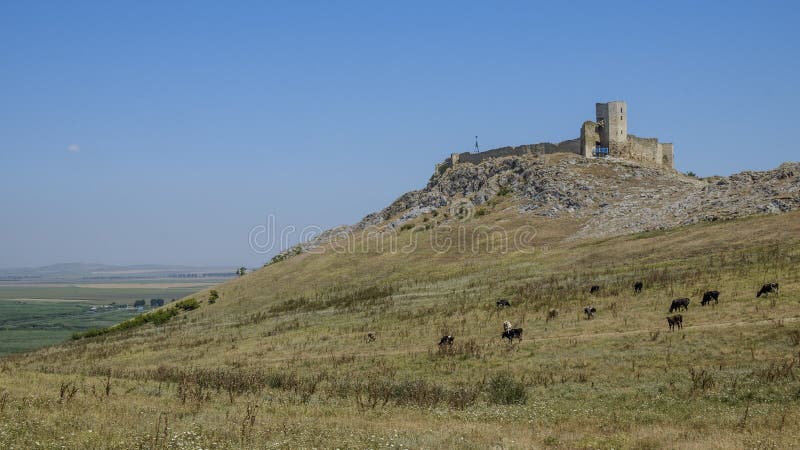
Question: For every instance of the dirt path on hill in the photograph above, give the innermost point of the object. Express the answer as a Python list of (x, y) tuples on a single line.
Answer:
[(529, 341)]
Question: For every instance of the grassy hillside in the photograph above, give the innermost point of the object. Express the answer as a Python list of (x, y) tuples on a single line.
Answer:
[(281, 359)]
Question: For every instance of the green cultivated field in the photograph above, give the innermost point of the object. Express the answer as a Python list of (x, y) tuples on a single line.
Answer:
[(36, 316)]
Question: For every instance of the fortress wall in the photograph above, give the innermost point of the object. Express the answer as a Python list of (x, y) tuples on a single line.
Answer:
[(546, 148), (643, 149), (668, 155), (570, 146), (613, 134), (589, 138)]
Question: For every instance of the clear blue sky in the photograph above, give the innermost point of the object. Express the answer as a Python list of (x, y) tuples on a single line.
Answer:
[(161, 132)]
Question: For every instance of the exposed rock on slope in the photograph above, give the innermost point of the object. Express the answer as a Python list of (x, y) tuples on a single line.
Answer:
[(613, 196)]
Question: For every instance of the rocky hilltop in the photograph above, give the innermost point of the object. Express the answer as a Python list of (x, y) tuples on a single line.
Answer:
[(609, 196), (612, 196)]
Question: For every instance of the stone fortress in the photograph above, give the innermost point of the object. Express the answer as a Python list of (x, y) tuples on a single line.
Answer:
[(606, 136)]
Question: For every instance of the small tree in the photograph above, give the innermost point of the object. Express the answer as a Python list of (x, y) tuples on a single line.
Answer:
[(241, 271), (139, 303), (213, 295)]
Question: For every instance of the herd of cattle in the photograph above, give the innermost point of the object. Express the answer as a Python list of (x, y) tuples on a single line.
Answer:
[(673, 321)]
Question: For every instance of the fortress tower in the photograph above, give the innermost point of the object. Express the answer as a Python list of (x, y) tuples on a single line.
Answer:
[(608, 136), (612, 124)]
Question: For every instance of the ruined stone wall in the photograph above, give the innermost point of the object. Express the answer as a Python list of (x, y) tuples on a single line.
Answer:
[(546, 148), (590, 136), (646, 150), (668, 155)]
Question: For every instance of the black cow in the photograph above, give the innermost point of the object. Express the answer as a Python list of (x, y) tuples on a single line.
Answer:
[(589, 311), (675, 321), (637, 287), (679, 303), (769, 288), (710, 296), (511, 334), (503, 303), (446, 340), (594, 289)]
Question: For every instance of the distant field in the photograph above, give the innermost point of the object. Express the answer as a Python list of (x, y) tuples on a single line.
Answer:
[(97, 292), (34, 316), (27, 325)]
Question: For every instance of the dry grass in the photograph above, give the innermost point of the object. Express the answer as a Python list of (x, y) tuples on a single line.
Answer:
[(261, 367)]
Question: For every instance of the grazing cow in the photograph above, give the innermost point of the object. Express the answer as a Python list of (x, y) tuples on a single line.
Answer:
[(502, 303), (679, 303), (710, 296), (371, 336), (551, 315), (446, 340), (511, 334), (594, 289), (506, 325), (589, 311), (675, 321), (637, 287), (769, 288)]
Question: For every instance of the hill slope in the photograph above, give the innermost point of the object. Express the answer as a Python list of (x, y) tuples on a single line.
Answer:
[(281, 358)]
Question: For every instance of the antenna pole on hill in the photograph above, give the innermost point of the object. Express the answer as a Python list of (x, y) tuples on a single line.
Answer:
[(477, 150)]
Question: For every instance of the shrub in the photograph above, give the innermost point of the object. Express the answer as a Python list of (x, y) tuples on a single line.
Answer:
[(701, 379), (776, 371), (157, 317), (406, 226), (503, 191), (213, 295), (188, 304), (481, 212), (503, 389), (294, 251)]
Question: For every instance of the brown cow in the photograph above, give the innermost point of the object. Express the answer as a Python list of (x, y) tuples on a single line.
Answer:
[(675, 321)]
